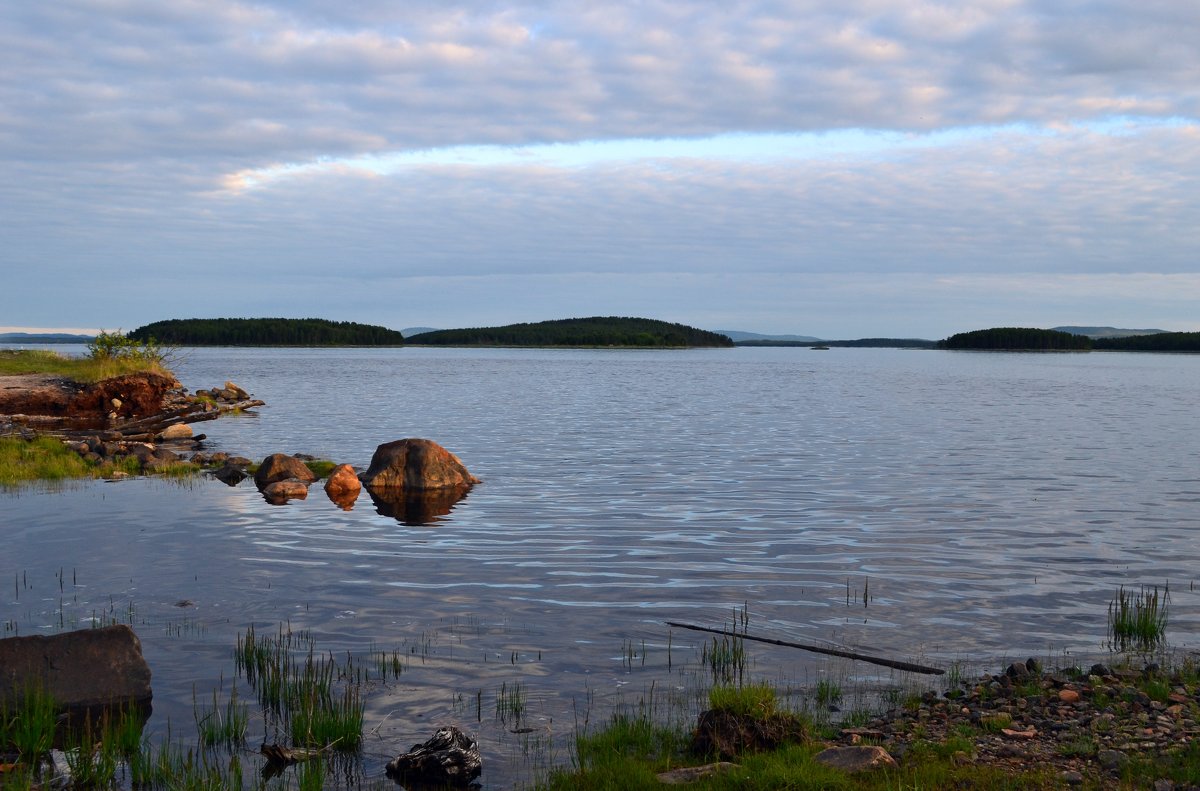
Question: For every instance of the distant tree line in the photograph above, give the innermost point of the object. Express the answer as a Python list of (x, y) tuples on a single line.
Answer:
[(1027, 339), (1159, 342), (1017, 338), (266, 332), (594, 331)]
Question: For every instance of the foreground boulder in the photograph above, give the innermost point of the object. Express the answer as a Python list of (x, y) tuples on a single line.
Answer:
[(82, 669), (281, 467), (414, 464), (450, 758)]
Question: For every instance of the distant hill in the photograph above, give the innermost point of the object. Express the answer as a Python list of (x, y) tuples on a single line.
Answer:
[(266, 332), (593, 331), (1105, 332), (44, 337), (408, 332), (739, 335), (861, 343)]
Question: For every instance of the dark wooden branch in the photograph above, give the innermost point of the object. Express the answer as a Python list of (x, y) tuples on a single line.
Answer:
[(875, 660)]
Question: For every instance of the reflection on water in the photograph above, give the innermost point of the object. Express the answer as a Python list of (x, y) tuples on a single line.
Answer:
[(991, 503), (417, 506), (344, 499)]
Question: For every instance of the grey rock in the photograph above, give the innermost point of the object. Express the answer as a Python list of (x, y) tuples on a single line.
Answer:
[(1017, 670), (89, 667), (859, 758), (692, 774), (1112, 760)]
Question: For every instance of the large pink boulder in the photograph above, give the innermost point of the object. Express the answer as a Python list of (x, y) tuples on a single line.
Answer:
[(415, 464)]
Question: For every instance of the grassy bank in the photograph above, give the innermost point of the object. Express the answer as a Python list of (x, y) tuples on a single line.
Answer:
[(79, 369), (48, 459), (1131, 726)]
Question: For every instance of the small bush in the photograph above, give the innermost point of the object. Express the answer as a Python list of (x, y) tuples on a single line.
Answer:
[(118, 346)]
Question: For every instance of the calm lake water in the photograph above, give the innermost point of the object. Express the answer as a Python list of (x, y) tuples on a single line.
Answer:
[(990, 504)]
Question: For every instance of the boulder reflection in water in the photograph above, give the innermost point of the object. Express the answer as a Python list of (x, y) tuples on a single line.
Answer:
[(417, 506), (344, 499)]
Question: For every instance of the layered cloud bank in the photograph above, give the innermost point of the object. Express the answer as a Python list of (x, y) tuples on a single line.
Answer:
[(834, 169)]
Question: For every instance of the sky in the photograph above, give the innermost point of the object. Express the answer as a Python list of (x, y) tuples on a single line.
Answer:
[(839, 169)]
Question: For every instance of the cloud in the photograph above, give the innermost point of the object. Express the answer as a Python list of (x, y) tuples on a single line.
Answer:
[(249, 83), (272, 143)]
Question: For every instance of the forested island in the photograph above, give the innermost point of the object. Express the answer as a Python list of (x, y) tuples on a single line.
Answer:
[(1017, 339), (594, 331), (1030, 339), (265, 332)]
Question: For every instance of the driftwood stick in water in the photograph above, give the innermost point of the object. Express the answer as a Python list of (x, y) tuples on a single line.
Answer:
[(875, 660)]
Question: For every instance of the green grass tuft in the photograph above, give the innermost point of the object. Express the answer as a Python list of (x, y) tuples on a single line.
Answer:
[(41, 459), (320, 468), (28, 725), (749, 700), (1138, 621)]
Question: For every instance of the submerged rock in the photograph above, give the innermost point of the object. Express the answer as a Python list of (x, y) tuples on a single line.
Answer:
[(416, 464), (280, 492), (449, 758), (281, 467), (230, 474), (81, 669)]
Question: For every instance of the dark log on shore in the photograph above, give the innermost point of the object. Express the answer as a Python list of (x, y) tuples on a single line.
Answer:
[(193, 413), (141, 429), (875, 660)]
